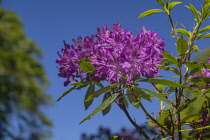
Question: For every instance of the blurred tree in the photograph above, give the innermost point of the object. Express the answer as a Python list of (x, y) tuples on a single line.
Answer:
[(203, 56), (22, 83)]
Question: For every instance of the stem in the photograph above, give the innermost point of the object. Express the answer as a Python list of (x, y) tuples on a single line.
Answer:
[(173, 27), (122, 106), (151, 118), (172, 126)]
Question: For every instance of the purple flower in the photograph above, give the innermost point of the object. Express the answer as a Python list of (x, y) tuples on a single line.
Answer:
[(115, 54), (119, 55)]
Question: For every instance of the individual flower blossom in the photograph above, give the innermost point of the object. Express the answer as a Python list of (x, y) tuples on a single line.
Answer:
[(115, 54)]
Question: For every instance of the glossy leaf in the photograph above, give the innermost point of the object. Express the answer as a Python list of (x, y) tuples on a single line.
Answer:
[(65, 93), (156, 95), (108, 108), (182, 46), (102, 106), (170, 57), (150, 12), (163, 82), (89, 92)]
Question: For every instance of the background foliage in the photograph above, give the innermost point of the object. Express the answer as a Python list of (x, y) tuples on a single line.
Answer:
[(22, 83)]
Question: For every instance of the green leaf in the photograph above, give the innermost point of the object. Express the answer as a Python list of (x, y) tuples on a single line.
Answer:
[(155, 137), (195, 70), (195, 129), (191, 117), (171, 5), (65, 93), (202, 93), (193, 65), (166, 138), (194, 12), (150, 12), (161, 2), (102, 106), (206, 2), (86, 66), (132, 99), (160, 87), (108, 108), (164, 114), (89, 92), (163, 82), (195, 48), (204, 29), (170, 57), (140, 94), (182, 46), (82, 83), (156, 95), (183, 31), (176, 71), (204, 36), (100, 91)]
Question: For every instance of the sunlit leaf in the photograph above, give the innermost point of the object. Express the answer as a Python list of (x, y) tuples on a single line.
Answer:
[(161, 2), (183, 31), (150, 12), (172, 4), (204, 36), (194, 12), (102, 106), (204, 29)]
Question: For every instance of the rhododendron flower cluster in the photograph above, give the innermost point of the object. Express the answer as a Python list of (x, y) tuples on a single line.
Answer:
[(115, 55)]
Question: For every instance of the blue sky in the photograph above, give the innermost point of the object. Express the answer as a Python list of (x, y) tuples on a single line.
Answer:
[(49, 22)]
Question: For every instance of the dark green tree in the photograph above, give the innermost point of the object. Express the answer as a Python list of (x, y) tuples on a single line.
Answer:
[(22, 83)]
